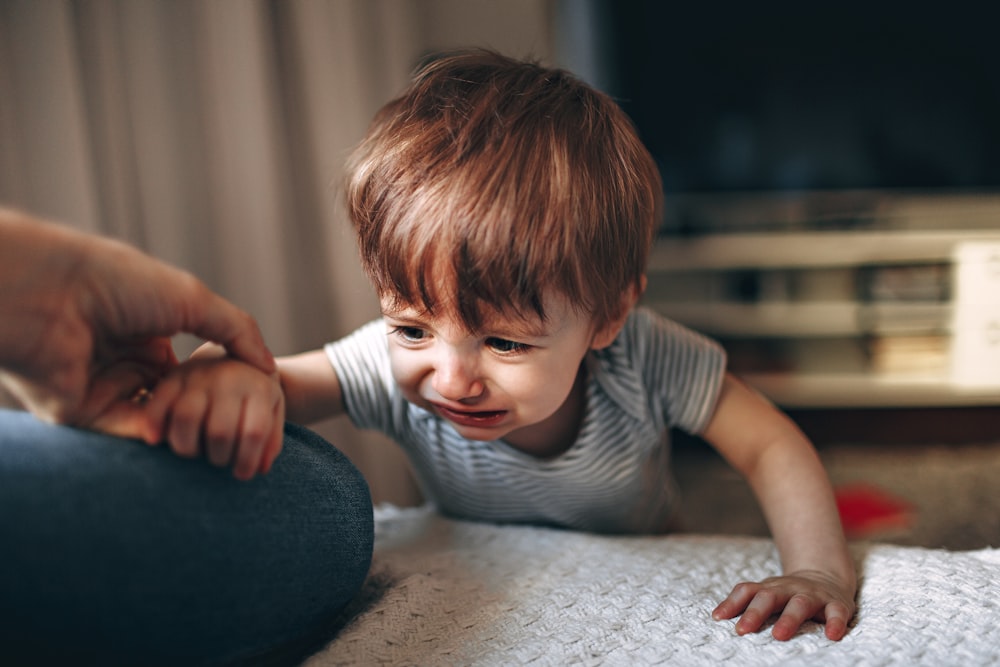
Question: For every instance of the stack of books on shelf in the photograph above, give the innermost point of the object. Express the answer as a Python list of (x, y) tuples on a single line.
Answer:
[(905, 318)]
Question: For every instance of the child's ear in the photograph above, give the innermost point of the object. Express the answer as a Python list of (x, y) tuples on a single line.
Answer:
[(606, 335)]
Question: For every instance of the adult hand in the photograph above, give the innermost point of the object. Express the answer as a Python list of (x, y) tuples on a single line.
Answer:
[(85, 321)]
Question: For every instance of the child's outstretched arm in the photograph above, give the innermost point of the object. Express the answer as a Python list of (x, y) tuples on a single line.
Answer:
[(312, 389), (795, 494)]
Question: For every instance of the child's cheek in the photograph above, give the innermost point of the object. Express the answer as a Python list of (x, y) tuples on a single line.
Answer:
[(406, 371)]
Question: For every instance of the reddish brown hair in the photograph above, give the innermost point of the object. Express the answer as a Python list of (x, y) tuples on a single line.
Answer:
[(491, 181)]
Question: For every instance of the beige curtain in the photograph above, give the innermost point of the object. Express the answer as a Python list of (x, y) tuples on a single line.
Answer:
[(211, 133)]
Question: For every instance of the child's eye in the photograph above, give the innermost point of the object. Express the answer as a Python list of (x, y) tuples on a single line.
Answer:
[(409, 334), (504, 346)]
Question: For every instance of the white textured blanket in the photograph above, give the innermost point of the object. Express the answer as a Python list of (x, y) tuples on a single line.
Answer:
[(445, 592)]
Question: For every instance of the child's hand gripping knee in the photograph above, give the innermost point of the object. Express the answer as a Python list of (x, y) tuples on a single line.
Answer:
[(223, 409), (218, 407)]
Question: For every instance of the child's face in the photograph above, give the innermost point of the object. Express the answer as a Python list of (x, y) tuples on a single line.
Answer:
[(508, 382)]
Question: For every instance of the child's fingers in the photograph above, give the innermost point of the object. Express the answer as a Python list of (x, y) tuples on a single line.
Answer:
[(186, 421), (256, 428), (737, 601), (763, 605), (800, 608), (756, 603), (156, 404), (275, 442), (222, 429), (838, 615)]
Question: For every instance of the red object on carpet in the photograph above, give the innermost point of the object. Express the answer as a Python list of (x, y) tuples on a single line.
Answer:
[(866, 510)]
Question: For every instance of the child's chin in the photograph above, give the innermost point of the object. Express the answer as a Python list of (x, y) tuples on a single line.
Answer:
[(480, 434)]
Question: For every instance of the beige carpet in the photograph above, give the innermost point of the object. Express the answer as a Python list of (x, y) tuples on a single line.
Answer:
[(445, 592), (954, 489)]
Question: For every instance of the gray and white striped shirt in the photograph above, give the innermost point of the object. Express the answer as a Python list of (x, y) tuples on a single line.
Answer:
[(615, 478)]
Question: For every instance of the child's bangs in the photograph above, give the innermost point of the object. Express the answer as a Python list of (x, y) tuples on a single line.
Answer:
[(473, 200), (458, 270)]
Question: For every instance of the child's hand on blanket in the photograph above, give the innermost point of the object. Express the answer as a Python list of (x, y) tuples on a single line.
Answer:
[(798, 597)]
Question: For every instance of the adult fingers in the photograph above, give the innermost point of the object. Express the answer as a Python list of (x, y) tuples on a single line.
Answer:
[(212, 318), (112, 402), (127, 293), (124, 419)]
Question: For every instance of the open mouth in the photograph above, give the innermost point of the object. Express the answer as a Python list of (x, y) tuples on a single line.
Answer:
[(470, 417)]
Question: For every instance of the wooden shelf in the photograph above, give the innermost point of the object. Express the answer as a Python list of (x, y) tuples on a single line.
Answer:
[(807, 319), (869, 390), (811, 325), (772, 250)]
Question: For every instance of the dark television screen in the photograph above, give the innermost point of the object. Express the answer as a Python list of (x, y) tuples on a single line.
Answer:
[(757, 96)]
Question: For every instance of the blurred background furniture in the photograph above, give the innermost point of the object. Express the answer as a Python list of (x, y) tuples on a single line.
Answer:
[(805, 150)]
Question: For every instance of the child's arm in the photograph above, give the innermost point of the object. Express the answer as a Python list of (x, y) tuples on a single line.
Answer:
[(312, 390), (792, 487)]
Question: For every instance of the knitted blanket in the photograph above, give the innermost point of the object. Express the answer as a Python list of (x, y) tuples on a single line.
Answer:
[(444, 592)]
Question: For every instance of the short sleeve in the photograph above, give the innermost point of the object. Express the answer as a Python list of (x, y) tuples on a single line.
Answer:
[(682, 369), (361, 362)]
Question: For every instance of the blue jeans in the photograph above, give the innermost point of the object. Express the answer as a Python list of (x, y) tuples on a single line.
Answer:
[(114, 552)]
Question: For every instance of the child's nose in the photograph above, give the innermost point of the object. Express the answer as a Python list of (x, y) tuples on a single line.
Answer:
[(456, 378)]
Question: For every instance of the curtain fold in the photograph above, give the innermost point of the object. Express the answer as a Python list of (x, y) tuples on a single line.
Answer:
[(212, 134)]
